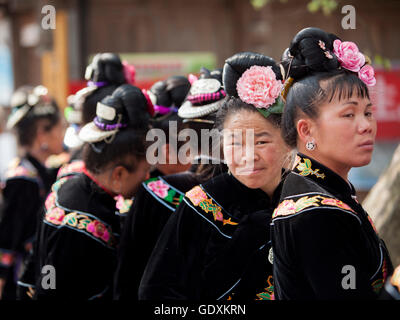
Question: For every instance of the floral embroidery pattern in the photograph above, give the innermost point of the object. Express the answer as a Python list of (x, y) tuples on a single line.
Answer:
[(71, 168), (268, 293), (6, 258), (163, 191), (81, 222), (58, 217), (289, 207), (159, 188), (123, 205), (19, 169), (305, 169), (199, 198), (196, 195)]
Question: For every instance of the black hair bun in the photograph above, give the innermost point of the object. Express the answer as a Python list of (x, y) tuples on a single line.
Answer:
[(311, 50), (133, 104), (236, 65), (171, 92), (106, 67)]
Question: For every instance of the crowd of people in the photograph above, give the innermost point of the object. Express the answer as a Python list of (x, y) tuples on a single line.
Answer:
[(281, 222)]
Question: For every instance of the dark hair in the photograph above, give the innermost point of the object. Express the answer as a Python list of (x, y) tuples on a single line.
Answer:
[(234, 67), (45, 113), (317, 79), (105, 67), (172, 91), (128, 142)]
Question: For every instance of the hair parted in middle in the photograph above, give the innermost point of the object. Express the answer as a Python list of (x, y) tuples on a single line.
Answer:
[(318, 75), (233, 70)]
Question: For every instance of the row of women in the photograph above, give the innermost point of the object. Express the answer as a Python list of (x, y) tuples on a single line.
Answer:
[(273, 223)]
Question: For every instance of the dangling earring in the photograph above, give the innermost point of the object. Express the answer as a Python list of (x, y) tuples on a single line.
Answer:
[(229, 172), (310, 145)]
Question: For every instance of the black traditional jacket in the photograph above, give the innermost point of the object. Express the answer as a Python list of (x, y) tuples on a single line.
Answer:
[(27, 280), (215, 246), (26, 185), (78, 238), (325, 245), (155, 201)]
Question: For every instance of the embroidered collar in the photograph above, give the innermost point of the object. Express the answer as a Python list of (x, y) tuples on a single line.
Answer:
[(314, 170)]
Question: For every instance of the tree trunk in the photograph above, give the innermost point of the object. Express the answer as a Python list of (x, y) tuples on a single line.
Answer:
[(383, 205)]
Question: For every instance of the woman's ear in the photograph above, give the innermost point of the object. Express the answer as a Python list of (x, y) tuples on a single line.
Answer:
[(305, 130)]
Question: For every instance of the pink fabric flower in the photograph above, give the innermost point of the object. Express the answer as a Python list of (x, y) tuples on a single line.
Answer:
[(129, 72), (159, 188), (258, 86), (348, 54), (99, 230), (367, 75)]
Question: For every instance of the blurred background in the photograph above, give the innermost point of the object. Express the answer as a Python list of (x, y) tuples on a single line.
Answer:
[(176, 37)]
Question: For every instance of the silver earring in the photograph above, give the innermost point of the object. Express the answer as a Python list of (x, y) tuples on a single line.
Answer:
[(44, 146), (229, 172), (310, 145)]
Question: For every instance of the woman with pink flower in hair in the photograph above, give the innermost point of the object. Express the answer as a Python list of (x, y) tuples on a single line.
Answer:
[(216, 245), (324, 244)]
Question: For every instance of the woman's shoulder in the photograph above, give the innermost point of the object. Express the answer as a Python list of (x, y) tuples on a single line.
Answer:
[(22, 169), (301, 195)]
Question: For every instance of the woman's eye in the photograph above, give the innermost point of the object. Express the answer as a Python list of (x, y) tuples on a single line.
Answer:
[(261, 142), (368, 114), (349, 115)]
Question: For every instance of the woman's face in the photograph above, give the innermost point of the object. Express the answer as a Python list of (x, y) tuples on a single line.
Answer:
[(130, 181), (344, 134), (254, 150), (55, 137)]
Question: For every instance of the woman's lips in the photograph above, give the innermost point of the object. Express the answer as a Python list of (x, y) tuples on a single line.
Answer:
[(248, 171), (367, 145)]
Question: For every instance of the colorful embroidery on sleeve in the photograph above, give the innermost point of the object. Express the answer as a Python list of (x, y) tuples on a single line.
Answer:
[(268, 293), (164, 192), (290, 207), (85, 223), (71, 168), (199, 198), (21, 168)]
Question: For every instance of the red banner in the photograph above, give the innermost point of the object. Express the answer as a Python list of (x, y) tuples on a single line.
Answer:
[(385, 96)]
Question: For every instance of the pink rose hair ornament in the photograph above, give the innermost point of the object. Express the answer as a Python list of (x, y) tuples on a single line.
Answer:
[(259, 87), (352, 59)]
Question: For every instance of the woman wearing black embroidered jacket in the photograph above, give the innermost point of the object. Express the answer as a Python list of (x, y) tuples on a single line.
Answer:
[(159, 196), (38, 124), (325, 245), (79, 232), (216, 245)]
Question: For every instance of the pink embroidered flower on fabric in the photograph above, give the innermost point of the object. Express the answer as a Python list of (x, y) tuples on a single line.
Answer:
[(55, 216), (337, 203), (50, 201), (258, 86), (159, 188), (285, 208), (99, 230), (348, 54), (367, 75), (196, 195)]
